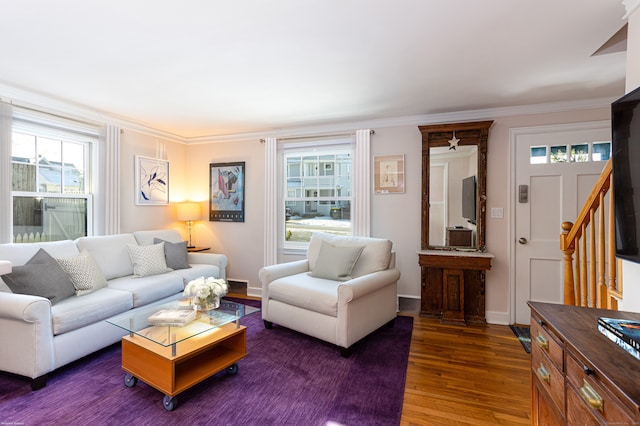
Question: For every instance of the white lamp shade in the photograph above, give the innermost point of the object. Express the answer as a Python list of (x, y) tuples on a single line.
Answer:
[(189, 211), (5, 267)]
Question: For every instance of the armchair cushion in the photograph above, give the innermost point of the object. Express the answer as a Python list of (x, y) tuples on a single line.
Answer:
[(336, 262), (309, 293)]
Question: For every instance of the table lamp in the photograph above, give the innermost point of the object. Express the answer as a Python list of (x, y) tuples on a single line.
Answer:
[(188, 212), (5, 267)]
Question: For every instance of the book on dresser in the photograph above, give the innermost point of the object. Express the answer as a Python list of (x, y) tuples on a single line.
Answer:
[(625, 333), (175, 317)]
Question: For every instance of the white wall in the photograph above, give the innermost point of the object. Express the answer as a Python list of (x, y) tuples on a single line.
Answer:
[(132, 216), (631, 271), (394, 216)]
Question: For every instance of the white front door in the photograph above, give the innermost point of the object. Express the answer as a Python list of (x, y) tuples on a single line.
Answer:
[(555, 170)]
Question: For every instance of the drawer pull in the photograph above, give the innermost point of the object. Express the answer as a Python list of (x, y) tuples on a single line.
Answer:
[(544, 374), (591, 397), (542, 342)]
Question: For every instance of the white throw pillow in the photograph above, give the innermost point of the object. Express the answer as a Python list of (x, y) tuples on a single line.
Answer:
[(84, 271), (148, 260), (375, 256), (336, 262)]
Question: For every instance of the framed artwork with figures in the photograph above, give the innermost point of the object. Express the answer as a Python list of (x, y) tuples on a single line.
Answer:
[(226, 187), (388, 174)]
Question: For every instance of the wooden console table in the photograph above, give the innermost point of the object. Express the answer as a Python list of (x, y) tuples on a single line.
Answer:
[(453, 285), (579, 376)]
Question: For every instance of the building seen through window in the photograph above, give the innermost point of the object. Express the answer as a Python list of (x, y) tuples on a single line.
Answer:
[(318, 193)]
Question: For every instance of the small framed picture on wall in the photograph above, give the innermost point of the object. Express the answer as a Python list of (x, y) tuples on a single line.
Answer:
[(226, 199), (388, 174)]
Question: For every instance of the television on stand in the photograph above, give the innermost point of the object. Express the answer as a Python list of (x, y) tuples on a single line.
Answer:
[(469, 199), (625, 157)]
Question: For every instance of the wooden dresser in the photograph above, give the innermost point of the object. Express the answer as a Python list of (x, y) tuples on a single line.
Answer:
[(579, 376)]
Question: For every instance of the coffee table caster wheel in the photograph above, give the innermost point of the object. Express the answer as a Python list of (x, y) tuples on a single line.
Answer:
[(169, 403), (232, 370), (129, 380)]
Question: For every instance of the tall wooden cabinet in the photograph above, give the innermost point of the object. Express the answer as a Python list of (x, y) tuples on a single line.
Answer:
[(453, 277), (579, 376)]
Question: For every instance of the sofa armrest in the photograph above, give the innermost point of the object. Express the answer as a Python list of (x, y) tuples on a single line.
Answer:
[(27, 335), (219, 260), (24, 307), (272, 272), (366, 284)]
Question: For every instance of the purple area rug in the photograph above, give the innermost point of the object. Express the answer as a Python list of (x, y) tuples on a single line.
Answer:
[(287, 378)]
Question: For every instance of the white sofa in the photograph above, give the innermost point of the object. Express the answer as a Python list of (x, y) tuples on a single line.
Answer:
[(336, 294), (38, 337)]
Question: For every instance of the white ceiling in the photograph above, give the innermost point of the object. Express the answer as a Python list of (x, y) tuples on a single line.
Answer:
[(198, 68)]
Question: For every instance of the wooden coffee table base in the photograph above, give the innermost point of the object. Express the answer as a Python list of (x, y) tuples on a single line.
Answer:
[(173, 369)]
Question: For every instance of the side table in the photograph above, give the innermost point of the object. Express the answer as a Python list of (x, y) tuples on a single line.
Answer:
[(197, 249)]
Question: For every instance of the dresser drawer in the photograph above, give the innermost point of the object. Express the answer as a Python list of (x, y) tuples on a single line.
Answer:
[(542, 339), (550, 378), (578, 413), (593, 395)]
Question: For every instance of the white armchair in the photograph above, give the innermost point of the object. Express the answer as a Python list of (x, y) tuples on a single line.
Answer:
[(345, 289)]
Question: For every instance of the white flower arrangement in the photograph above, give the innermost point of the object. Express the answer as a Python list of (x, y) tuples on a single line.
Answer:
[(206, 290)]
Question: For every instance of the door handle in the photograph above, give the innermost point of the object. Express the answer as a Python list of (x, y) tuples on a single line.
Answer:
[(522, 240)]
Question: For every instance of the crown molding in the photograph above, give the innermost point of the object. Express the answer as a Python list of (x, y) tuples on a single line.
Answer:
[(39, 102), (414, 120), (29, 99), (630, 6)]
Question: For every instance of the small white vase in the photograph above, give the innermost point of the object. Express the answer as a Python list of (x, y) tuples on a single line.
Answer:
[(206, 304)]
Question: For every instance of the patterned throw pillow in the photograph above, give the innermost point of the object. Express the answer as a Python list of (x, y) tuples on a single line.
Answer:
[(148, 260), (84, 271)]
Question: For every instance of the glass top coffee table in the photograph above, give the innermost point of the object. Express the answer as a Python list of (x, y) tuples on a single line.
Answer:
[(172, 358)]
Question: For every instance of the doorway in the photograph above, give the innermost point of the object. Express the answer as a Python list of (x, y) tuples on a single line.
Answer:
[(555, 168)]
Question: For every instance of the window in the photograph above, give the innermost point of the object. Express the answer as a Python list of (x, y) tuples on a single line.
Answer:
[(51, 182), (592, 151), (317, 193)]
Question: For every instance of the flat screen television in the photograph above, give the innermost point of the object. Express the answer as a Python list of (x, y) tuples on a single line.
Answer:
[(625, 145), (469, 199)]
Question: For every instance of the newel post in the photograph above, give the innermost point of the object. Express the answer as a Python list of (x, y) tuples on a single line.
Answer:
[(568, 248)]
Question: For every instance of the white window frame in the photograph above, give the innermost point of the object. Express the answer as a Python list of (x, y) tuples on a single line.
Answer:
[(38, 124), (315, 148)]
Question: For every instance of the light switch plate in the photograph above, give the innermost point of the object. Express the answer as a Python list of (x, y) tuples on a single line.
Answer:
[(497, 213)]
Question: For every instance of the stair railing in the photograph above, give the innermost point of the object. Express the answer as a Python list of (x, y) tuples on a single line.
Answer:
[(591, 279)]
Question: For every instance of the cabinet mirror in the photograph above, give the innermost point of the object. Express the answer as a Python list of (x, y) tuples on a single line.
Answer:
[(454, 167)]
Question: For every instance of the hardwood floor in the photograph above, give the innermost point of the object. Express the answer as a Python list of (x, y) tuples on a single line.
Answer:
[(471, 375)]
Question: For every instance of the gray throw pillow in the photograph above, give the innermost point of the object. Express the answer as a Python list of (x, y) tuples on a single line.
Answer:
[(175, 254), (336, 262), (41, 276)]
